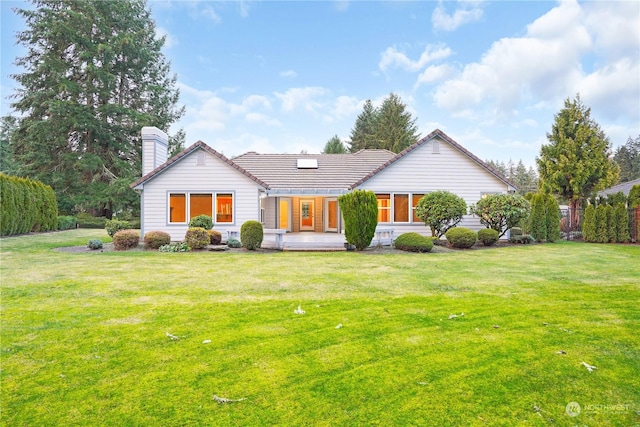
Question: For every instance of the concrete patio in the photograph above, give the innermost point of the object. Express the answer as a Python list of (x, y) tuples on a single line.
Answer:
[(319, 242)]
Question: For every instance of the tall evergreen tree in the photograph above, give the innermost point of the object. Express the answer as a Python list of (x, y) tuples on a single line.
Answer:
[(553, 218), (576, 162), (334, 146), (395, 128), (628, 158), (8, 162), (94, 75), (363, 133)]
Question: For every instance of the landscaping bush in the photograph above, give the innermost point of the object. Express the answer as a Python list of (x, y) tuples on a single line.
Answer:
[(552, 219), (440, 211), (622, 220), (94, 244), (196, 238), (66, 222), (601, 224), (537, 220), (461, 237), (360, 212), (413, 242), (612, 227), (501, 211), (86, 220), (126, 239), (155, 239), (215, 237), (174, 247), (251, 235), (114, 225), (203, 221), (634, 197), (234, 243), (589, 224), (488, 236), (26, 206)]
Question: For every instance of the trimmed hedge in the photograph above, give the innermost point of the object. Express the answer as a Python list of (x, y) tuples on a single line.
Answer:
[(360, 212), (126, 239), (86, 220), (196, 238), (26, 206), (204, 221), (251, 235), (413, 242), (488, 236), (66, 222), (155, 239), (461, 237), (215, 237), (114, 225)]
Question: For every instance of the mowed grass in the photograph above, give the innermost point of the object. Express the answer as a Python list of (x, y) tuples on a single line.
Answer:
[(84, 336)]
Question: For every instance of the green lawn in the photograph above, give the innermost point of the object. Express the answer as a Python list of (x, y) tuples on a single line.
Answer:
[(84, 336)]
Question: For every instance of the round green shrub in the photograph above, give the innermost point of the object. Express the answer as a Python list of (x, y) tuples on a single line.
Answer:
[(413, 242), (197, 238), (155, 239), (441, 210), (461, 237), (251, 235), (215, 237), (488, 236), (203, 221), (94, 244), (234, 243), (126, 239), (114, 225)]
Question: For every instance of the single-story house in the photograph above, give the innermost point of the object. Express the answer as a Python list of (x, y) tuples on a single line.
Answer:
[(623, 187), (299, 192)]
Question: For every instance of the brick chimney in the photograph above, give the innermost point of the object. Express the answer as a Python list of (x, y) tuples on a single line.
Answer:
[(155, 145)]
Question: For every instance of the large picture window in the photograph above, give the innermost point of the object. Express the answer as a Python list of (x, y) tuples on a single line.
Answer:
[(184, 206)]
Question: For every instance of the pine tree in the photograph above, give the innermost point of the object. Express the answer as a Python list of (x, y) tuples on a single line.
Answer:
[(334, 146), (363, 133), (576, 162), (94, 75), (8, 163), (395, 128), (628, 158)]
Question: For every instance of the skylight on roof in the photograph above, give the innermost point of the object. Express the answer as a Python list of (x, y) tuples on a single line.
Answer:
[(307, 163)]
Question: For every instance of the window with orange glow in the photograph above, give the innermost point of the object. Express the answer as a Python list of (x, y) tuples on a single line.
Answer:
[(400, 208), (224, 208), (200, 204), (177, 208), (415, 198), (384, 207)]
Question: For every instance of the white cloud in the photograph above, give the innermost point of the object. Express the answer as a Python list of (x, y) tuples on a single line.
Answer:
[(616, 30), (209, 12), (435, 73), (392, 58), (544, 64), (260, 118), (469, 12), (346, 106), (169, 41), (288, 74), (305, 98)]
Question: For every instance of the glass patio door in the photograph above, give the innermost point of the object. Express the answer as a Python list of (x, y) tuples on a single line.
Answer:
[(331, 215)]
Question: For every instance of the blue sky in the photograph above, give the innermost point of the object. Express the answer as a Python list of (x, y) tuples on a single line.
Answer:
[(282, 77)]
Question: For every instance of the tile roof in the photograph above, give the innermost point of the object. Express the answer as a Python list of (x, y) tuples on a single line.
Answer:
[(337, 172), (334, 171)]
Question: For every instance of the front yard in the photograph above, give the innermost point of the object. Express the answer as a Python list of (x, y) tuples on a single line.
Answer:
[(486, 337)]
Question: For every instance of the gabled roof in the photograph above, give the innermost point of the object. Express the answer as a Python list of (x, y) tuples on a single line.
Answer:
[(436, 133), (625, 187), (202, 146), (279, 173), (333, 172)]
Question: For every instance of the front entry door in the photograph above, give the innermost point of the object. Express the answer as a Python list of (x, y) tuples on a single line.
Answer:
[(306, 215)]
